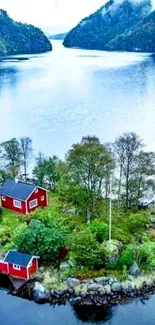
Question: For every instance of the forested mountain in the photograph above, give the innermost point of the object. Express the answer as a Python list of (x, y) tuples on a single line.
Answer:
[(141, 38), (110, 21), (18, 38)]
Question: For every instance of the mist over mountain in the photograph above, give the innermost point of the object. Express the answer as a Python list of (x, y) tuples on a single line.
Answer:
[(18, 38), (140, 39), (115, 18)]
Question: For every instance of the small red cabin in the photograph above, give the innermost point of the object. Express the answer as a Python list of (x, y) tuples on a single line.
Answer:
[(19, 265), (22, 197)]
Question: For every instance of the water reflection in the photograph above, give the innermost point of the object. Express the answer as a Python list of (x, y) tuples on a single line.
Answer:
[(7, 75), (93, 315)]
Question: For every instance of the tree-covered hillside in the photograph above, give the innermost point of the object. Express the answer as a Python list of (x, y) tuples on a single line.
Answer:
[(141, 38), (18, 38), (111, 20)]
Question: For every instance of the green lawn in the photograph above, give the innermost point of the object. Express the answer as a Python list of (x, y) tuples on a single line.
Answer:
[(10, 219)]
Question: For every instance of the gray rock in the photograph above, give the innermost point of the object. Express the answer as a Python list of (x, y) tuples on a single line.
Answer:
[(40, 293), (152, 226), (75, 301), (95, 287), (64, 266), (73, 282), (111, 281), (134, 270), (102, 280), (116, 287)]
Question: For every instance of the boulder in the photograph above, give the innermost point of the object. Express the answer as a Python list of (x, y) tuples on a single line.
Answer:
[(134, 270), (40, 293), (73, 282), (102, 280), (116, 287), (75, 301), (152, 226), (111, 251), (95, 287), (64, 267)]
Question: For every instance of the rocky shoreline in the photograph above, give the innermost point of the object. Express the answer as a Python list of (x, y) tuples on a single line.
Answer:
[(97, 292)]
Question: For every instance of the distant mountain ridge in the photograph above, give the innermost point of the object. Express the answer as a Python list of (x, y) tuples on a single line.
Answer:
[(60, 36), (103, 30), (18, 38)]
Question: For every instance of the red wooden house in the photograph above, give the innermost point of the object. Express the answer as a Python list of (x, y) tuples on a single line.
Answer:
[(22, 197), (19, 265)]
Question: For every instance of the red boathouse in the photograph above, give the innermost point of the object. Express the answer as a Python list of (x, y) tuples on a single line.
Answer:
[(19, 265), (22, 197)]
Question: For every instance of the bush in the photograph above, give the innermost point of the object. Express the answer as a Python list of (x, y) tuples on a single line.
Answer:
[(121, 234), (137, 222), (5, 235), (99, 230), (85, 249), (127, 257), (143, 254), (38, 239)]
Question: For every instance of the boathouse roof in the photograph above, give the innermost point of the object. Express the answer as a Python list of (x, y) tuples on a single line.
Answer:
[(17, 258), (17, 190)]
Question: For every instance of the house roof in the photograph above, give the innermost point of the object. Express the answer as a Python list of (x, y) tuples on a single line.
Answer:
[(17, 258), (18, 190)]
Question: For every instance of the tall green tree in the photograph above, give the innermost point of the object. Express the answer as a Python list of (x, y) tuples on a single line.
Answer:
[(87, 167), (26, 152), (144, 173), (39, 169), (127, 148), (12, 156), (47, 170)]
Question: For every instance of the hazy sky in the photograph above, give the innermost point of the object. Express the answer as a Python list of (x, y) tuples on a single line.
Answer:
[(54, 15)]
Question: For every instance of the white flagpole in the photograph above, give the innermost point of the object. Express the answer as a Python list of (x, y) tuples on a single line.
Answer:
[(110, 209)]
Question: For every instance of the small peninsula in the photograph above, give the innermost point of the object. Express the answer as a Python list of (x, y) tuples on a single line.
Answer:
[(17, 38)]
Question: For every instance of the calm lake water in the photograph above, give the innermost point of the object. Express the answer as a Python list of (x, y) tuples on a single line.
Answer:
[(15, 311), (58, 97)]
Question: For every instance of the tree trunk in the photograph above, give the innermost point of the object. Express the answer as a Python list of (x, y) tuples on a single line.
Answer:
[(119, 187), (127, 187)]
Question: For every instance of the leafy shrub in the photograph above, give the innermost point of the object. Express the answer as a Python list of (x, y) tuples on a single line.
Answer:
[(38, 239), (100, 230), (85, 249), (5, 235), (143, 254), (127, 257), (137, 222), (121, 234)]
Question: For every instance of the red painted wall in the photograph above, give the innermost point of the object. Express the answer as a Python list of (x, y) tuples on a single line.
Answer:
[(37, 196), (22, 274), (32, 269), (8, 204), (3, 267)]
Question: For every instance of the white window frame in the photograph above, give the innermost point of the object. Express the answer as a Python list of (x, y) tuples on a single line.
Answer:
[(36, 191), (16, 267), (33, 204), (17, 204), (42, 198), (3, 198)]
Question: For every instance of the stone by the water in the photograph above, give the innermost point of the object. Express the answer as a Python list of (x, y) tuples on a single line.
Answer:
[(102, 280), (134, 270), (73, 282), (116, 287), (40, 293)]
